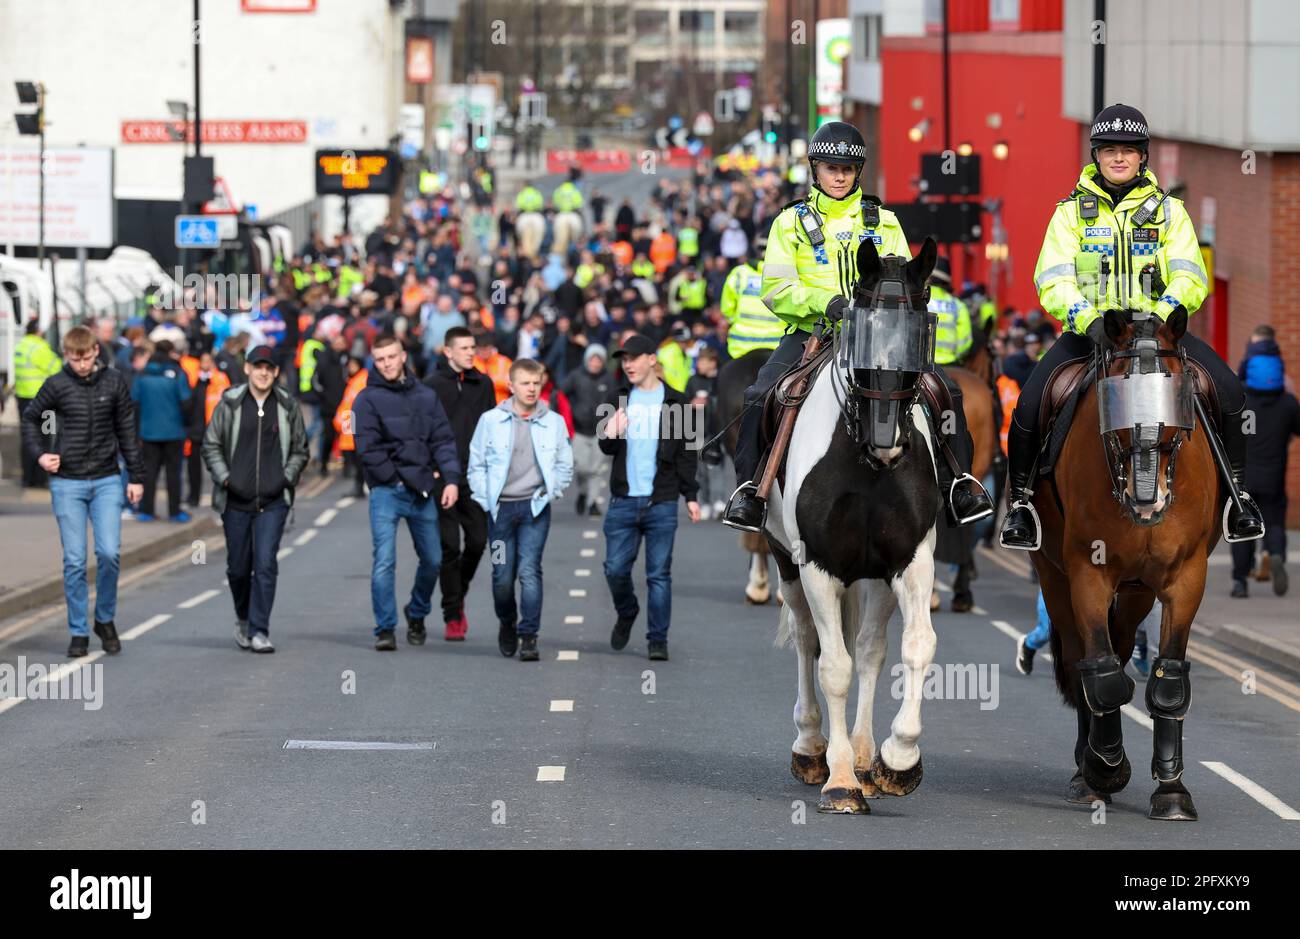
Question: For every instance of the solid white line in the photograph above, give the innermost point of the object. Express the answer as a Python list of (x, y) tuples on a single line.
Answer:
[(344, 502), (306, 536), (577, 593), (136, 631), (1254, 790), (561, 705), (353, 745), (587, 553), (573, 618), (195, 600), (590, 535), (1130, 711), (325, 517), (566, 655), (283, 553), (550, 774), (582, 572)]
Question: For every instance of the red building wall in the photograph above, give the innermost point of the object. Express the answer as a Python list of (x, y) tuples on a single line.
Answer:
[(1016, 75)]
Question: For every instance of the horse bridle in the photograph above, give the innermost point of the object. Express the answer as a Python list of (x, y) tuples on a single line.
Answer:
[(1145, 445)]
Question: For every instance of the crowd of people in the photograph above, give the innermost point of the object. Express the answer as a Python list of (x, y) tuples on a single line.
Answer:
[(464, 383)]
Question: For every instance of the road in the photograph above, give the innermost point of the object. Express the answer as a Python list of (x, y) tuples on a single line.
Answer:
[(189, 746)]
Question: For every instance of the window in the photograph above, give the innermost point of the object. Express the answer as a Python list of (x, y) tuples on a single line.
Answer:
[(699, 22), (866, 38), (741, 28), (651, 27), (1004, 12)]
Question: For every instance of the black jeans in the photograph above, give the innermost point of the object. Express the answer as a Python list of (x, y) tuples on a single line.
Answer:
[(194, 473), (252, 542), (459, 563), (1272, 505), (1074, 346), (158, 453)]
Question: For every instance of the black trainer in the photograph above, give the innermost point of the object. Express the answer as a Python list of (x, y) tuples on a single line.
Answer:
[(1024, 657), (528, 649), (659, 650), (622, 630), (79, 646), (1281, 582), (1239, 589), (746, 511), (386, 641), (107, 632), (581, 505), (507, 639), (415, 634)]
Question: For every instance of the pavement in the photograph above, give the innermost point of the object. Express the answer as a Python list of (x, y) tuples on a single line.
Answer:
[(329, 744)]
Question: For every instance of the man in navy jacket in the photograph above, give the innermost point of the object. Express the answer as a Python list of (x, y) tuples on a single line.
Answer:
[(407, 448)]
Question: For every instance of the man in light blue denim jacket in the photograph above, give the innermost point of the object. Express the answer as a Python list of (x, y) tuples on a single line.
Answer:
[(519, 463)]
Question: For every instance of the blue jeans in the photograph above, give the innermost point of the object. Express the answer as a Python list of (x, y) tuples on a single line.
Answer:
[(388, 505), (627, 520), (252, 543), (516, 541), (1043, 631), (100, 502)]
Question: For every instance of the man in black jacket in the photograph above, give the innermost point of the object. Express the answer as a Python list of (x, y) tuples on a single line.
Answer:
[(79, 421), (652, 433), (407, 450), (465, 394), (255, 448), (587, 389)]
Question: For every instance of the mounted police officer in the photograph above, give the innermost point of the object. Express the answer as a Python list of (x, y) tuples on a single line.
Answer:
[(1119, 242), (809, 270)]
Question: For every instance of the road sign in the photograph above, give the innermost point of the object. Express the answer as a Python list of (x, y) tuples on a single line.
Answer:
[(197, 231)]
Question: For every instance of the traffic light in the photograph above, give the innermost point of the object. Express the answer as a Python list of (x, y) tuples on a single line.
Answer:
[(770, 123), (30, 124), (481, 140)]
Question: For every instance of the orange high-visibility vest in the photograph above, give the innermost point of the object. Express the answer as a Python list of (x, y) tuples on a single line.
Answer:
[(191, 366), (622, 251), (663, 251), (343, 416), (1008, 394), (218, 384), (496, 368)]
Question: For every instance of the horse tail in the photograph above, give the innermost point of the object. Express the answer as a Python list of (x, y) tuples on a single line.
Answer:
[(784, 628), (1064, 683)]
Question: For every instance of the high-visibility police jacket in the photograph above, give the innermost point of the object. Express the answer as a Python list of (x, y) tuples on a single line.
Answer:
[(567, 198), (301, 279), (643, 268), (1088, 236), (529, 200), (676, 363), (952, 332), (799, 279), (688, 242), (692, 294), (753, 325), (586, 273), (307, 368), (34, 361), (349, 276), (988, 315)]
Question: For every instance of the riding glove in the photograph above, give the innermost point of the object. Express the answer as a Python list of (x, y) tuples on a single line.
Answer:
[(835, 309), (1097, 331)]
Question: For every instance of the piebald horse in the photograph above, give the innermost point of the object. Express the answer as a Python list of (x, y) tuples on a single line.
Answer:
[(852, 526)]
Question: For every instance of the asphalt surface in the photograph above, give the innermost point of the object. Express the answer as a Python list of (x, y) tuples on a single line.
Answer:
[(191, 729)]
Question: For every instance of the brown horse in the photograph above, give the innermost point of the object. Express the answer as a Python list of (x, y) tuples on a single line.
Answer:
[(733, 379), (1113, 542)]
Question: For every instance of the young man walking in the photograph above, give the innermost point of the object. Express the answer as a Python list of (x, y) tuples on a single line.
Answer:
[(406, 443), (519, 463), (163, 394), (648, 434), (80, 419), (587, 389), (255, 447)]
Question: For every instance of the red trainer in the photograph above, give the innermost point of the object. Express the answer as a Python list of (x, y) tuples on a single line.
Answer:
[(457, 628)]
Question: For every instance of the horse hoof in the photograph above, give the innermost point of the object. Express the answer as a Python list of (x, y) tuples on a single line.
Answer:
[(755, 601), (810, 769), (1171, 802), (963, 603), (841, 801), (895, 782), (1079, 792), (868, 784), (1101, 776)]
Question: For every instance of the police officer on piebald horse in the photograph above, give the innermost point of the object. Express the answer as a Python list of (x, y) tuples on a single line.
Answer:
[(1119, 242), (809, 269)]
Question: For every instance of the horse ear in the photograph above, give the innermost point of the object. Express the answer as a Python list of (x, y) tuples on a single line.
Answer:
[(868, 262), (1113, 321), (922, 266), (1177, 322)]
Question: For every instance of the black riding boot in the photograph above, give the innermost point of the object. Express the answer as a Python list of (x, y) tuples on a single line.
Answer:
[(746, 511), (964, 496), (1245, 524), (1020, 529)]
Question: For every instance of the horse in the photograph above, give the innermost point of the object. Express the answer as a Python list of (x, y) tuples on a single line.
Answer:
[(852, 527), (1114, 542), (567, 228), (733, 379), (531, 228)]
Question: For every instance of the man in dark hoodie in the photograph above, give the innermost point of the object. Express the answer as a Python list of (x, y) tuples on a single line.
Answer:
[(162, 393), (465, 394), (587, 389), (1276, 416), (406, 443)]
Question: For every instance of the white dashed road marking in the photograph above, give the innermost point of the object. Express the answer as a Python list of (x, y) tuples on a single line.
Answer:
[(306, 536), (590, 535), (344, 502), (566, 655), (325, 517), (582, 572), (575, 618), (550, 774), (561, 705), (283, 553), (194, 601), (587, 553), (136, 632), (577, 592), (353, 745)]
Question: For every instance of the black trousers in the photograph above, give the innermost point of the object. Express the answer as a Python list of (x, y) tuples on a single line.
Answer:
[(460, 562), (1272, 505), (1074, 346), (194, 473), (157, 454), (787, 355), (33, 475)]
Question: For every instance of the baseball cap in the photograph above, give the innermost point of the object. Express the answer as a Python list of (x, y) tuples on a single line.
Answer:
[(261, 354), (634, 345)]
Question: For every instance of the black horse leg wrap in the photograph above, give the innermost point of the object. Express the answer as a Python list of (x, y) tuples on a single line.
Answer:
[(1169, 695), (1105, 686), (1106, 737)]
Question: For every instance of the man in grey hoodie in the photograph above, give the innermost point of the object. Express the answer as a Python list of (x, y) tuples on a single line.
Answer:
[(587, 388)]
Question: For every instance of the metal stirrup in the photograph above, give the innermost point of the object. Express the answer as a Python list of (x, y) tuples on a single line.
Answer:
[(973, 518), (1038, 527)]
